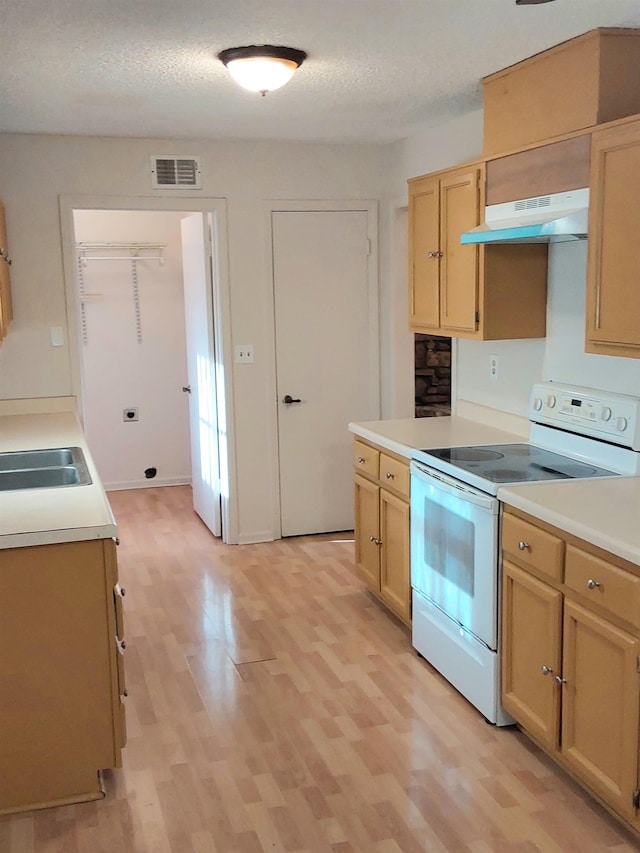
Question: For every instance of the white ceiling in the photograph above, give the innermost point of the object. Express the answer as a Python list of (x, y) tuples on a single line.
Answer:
[(376, 68)]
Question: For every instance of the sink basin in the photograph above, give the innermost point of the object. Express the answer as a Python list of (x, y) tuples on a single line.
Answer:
[(43, 469), (51, 458)]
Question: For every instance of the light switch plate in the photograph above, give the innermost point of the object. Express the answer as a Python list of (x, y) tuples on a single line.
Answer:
[(244, 354)]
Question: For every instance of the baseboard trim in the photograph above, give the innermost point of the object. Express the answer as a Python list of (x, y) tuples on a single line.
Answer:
[(122, 485)]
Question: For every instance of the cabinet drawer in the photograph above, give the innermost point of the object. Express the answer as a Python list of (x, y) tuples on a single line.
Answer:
[(603, 583), (532, 546), (365, 458), (394, 474)]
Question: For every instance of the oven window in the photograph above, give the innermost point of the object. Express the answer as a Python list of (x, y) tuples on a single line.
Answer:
[(449, 546)]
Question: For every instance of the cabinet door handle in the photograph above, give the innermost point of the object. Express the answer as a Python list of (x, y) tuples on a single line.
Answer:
[(560, 680), (546, 670), (390, 476), (119, 591), (120, 645), (524, 546), (591, 584), (376, 540)]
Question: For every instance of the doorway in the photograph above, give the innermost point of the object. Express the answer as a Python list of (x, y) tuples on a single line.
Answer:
[(172, 416), (326, 353)]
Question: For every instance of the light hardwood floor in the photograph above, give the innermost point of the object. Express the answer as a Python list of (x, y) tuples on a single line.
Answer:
[(275, 706)]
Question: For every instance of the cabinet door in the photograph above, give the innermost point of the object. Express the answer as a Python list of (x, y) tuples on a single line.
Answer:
[(531, 638), (459, 211), (613, 306), (395, 582), (424, 262), (367, 530), (6, 311), (601, 705)]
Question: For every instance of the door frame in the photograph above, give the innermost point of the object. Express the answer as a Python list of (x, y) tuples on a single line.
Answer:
[(215, 209), (370, 207)]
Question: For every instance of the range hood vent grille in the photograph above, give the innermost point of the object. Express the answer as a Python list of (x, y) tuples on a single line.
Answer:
[(532, 203)]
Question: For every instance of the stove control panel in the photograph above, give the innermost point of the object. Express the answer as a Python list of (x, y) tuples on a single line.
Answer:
[(586, 411)]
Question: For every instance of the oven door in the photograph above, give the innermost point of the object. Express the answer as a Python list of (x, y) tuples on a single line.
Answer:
[(454, 550)]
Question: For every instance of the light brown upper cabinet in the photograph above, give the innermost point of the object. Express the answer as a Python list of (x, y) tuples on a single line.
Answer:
[(613, 292), (6, 310), (487, 292), (588, 80)]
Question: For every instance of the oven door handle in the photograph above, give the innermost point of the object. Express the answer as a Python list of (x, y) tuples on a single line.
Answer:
[(451, 487)]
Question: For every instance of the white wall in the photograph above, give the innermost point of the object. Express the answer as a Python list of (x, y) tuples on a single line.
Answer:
[(119, 371), (35, 170)]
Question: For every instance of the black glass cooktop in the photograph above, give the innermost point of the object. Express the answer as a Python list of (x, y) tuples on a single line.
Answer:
[(514, 463)]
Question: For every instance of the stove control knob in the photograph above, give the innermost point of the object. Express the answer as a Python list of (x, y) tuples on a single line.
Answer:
[(551, 401), (621, 424), (537, 403), (605, 413)]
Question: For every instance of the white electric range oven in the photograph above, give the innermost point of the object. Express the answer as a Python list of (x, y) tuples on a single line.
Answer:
[(575, 433)]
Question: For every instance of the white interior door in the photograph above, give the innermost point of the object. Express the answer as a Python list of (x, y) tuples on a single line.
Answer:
[(324, 353), (201, 364)]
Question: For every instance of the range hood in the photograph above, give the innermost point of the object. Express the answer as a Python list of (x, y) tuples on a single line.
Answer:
[(555, 218)]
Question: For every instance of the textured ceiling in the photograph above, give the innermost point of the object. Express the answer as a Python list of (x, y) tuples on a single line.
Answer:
[(376, 68)]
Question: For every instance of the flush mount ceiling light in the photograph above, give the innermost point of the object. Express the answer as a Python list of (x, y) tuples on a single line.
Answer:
[(262, 68)]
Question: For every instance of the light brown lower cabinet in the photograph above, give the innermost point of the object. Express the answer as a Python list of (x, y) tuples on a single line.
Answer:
[(381, 485), (571, 657), (61, 673)]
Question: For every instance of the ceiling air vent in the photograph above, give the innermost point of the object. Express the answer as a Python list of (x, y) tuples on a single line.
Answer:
[(175, 173)]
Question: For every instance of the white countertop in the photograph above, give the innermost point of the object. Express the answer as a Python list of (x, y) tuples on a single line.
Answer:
[(404, 435), (43, 516), (604, 511)]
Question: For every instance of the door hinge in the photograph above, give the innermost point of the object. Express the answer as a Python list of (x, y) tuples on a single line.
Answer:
[(638, 664), (368, 247), (477, 317), (636, 798)]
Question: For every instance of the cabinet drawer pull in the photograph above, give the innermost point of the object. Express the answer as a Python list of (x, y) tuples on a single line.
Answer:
[(390, 476), (560, 680), (361, 460), (591, 584), (524, 546), (546, 670)]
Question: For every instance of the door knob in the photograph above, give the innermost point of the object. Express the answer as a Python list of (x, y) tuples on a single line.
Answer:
[(288, 399), (186, 389)]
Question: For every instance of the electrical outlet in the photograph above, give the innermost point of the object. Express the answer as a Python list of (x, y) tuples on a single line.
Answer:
[(494, 366), (130, 414), (244, 354)]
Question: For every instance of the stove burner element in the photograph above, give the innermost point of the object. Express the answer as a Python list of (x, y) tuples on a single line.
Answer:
[(507, 475), (469, 454)]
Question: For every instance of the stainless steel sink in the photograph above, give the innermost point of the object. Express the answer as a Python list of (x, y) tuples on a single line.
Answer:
[(50, 458), (43, 469)]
